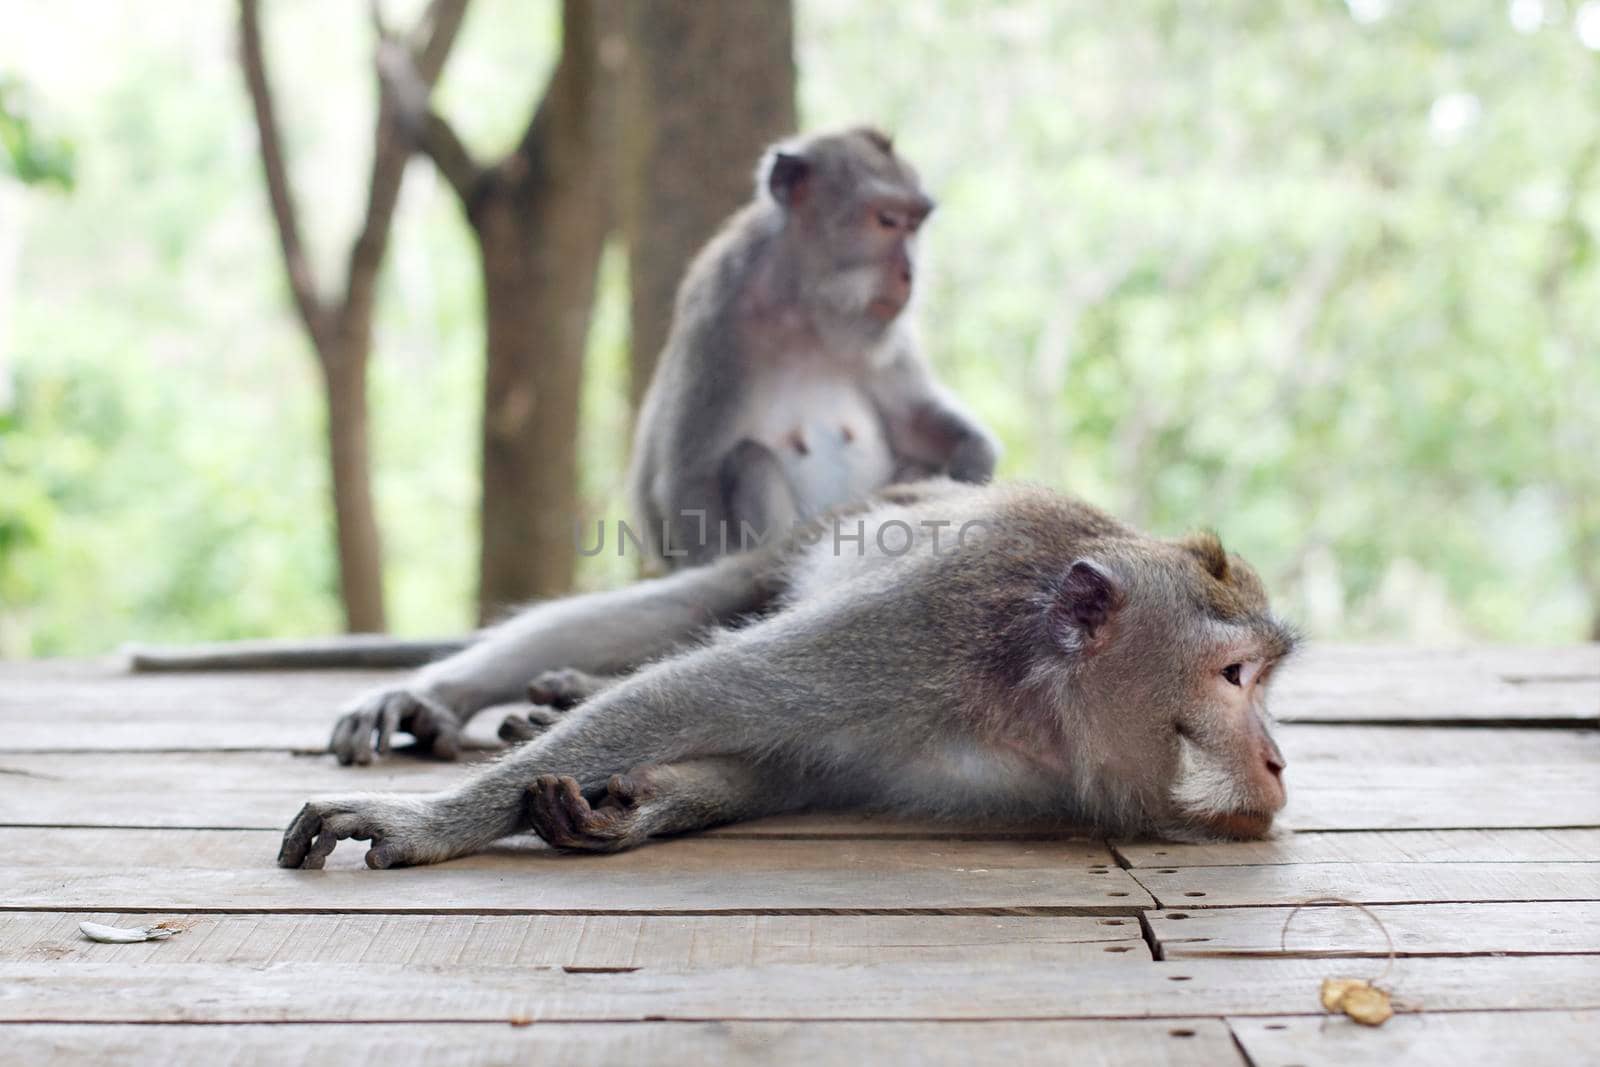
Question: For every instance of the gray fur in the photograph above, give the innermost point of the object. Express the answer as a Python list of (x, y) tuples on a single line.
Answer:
[(1054, 663)]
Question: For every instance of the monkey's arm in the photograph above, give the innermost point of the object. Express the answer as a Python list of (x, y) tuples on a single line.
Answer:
[(927, 428), (763, 717), (598, 633)]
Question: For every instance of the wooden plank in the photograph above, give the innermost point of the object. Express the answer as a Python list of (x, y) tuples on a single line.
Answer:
[(1493, 1039), (1416, 778), (1084, 1043), (1404, 846), (312, 992), (335, 652), (263, 790), (587, 941), (248, 790), (74, 705), (173, 870), (1363, 683), (1437, 746), (67, 705), (1521, 928), (1345, 778), (1369, 883)]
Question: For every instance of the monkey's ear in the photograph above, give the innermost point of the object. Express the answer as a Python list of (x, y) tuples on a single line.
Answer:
[(787, 176), (1207, 548), (1087, 599)]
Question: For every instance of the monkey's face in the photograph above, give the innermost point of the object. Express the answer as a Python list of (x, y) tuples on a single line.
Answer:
[(874, 252), (1178, 655), (859, 207)]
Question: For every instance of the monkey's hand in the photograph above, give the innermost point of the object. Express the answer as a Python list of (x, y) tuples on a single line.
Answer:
[(400, 828), (370, 722)]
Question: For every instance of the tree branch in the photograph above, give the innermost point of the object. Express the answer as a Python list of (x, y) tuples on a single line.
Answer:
[(301, 283), (423, 61), (405, 85)]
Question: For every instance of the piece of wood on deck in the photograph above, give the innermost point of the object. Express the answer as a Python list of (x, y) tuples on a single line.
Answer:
[(263, 790), (580, 941), (1388, 683), (1430, 778), (1465, 1039), (1083, 1043), (178, 870), (1399, 846), (1513, 928), (1369, 883), (291, 992)]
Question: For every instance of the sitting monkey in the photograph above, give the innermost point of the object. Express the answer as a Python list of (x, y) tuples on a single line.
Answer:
[(791, 380), (942, 651)]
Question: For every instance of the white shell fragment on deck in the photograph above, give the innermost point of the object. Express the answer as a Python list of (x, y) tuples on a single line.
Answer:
[(122, 935)]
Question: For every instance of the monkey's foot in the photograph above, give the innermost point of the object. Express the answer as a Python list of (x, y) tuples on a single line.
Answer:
[(370, 722), (398, 828), (523, 726), (564, 819), (565, 687)]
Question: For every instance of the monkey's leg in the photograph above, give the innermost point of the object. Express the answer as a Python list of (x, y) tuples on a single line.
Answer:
[(599, 633), (650, 801), (757, 493)]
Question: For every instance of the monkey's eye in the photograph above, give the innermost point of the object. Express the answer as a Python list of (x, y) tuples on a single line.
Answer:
[(888, 220), (1231, 673)]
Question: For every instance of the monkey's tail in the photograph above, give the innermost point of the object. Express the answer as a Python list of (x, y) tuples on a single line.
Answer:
[(320, 653)]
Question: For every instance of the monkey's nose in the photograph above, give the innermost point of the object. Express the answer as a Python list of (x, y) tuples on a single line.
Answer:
[(1272, 756)]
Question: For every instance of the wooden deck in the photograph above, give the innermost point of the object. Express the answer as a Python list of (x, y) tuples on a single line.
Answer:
[(1457, 793)]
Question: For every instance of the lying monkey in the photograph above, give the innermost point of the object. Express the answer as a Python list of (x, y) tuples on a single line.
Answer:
[(947, 650)]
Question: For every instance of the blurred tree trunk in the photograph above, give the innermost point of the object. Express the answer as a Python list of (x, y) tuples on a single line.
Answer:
[(540, 216), (340, 329), (709, 84)]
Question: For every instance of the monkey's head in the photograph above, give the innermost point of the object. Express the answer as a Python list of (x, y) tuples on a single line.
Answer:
[(854, 208), (1161, 657)]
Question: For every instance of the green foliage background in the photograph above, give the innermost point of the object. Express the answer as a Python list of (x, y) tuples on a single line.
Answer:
[(1318, 276)]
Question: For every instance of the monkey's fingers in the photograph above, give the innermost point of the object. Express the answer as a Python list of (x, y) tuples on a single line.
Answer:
[(435, 727), (553, 811), (388, 723), (560, 688), (297, 839), (517, 729), (340, 743)]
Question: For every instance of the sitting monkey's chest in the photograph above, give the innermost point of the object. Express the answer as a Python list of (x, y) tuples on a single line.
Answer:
[(828, 438)]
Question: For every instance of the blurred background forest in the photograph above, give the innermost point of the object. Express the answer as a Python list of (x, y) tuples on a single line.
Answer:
[(1317, 274)]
